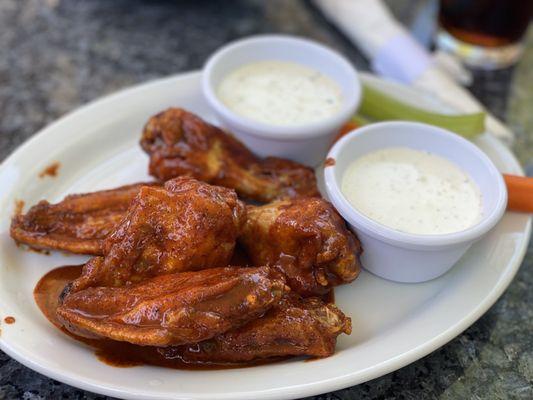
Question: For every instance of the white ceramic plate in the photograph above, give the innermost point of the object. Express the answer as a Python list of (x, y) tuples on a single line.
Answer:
[(394, 324)]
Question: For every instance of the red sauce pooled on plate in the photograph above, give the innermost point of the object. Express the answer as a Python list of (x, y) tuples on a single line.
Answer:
[(119, 354), (50, 170), (330, 162)]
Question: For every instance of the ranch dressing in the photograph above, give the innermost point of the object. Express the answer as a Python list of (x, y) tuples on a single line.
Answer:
[(280, 93), (412, 191)]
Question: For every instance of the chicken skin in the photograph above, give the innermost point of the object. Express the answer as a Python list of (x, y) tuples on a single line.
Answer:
[(78, 224), (306, 239), (173, 309), (294, 327), (185, 225), (180, 143), (165, 274)]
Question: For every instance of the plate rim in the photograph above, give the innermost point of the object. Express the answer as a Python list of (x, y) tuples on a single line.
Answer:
[(287, 392)]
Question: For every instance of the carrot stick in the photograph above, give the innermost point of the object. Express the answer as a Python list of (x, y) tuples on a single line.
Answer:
[(520, 193), (347, 127)]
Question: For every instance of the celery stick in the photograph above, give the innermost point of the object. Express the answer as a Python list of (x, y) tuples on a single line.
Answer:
[(378, 106), (360, 120)]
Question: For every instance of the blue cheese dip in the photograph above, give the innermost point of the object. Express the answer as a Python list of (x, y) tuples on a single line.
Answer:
[(280, 93), (412, 191)]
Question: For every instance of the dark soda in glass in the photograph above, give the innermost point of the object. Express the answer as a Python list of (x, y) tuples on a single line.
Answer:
[(495, 27)]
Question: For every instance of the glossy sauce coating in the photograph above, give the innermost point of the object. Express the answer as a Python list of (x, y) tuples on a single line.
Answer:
[(306, 239), (295, 327), (173, 309), (330, 162), (183, 226), (117, 354), (77, 224), (51, 170), (309, 324), (180, 143)]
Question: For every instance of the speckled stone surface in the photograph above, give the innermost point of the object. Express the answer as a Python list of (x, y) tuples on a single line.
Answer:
[(56, 55)]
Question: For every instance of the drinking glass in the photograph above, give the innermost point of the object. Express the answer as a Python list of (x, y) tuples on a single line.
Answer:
[(484, 33)]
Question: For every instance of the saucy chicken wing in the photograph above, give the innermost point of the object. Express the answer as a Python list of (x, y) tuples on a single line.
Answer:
[(173, 309), (294, 327), (306, 239), (180, 143), (185, 225), (77, 224)]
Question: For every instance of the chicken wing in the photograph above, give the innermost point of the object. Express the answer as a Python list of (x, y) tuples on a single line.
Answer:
[(295, 327), (306, 239), (175, 308), (185, 225), (77, 224), (180, 143)]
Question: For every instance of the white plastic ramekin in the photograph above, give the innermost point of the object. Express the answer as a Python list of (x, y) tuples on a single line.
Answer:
[(306, 143), (405, 257)]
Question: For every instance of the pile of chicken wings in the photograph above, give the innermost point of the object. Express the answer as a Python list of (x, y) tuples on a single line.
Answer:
[(163, 272)]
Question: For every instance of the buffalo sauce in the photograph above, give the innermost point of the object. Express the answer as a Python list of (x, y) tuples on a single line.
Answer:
[(50, 170), (110, 352), (330, 162)]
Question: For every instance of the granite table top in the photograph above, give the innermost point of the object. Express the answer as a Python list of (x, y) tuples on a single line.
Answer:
[(57, 55)]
